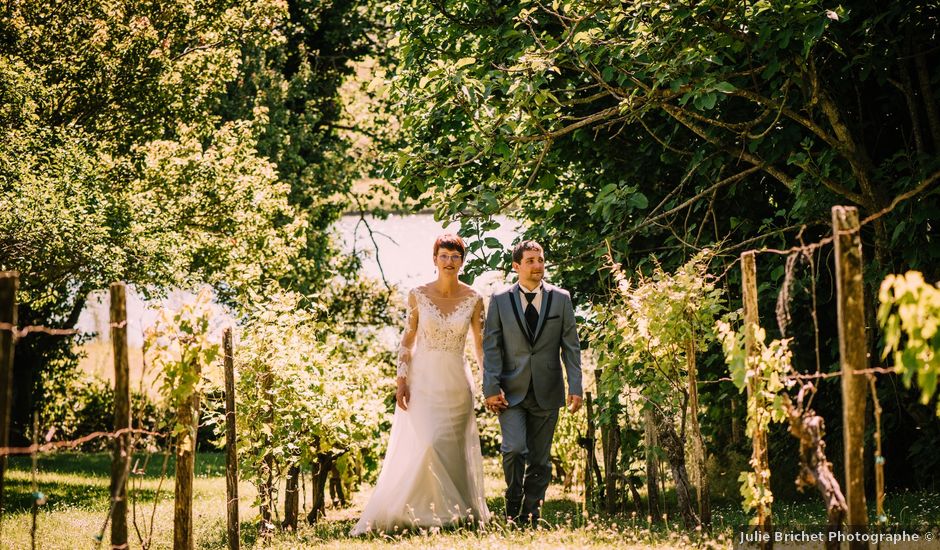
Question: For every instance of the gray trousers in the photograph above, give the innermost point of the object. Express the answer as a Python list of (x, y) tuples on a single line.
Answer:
[(527, 431)]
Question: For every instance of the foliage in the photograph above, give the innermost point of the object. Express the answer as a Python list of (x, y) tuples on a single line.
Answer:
[(651, 336), (170, 145), (304, 390), (666, 128), (566, 450), (765, 377), (85, 406), (651, 328), (180, 346), (909, 314), (660, 129), (768, 374)]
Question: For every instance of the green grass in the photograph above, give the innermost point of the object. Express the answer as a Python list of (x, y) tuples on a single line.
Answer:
[(77, 490)]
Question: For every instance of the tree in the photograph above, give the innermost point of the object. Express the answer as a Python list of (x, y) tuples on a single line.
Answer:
[(152, 143), (667, 127), (660, 129)]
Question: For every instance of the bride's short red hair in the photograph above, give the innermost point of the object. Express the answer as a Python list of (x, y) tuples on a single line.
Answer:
[(450, 242)]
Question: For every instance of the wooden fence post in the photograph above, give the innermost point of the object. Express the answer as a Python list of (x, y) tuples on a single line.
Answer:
[(759, 458), (187, 415), (853, 356), (8, 283), (34, 483), (231, 452), (652, 469), (120, 458)]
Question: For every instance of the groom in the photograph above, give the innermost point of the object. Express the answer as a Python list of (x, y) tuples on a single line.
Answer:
[(528, 327)]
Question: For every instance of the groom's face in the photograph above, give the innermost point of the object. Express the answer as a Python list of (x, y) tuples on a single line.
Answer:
[(531, 268)]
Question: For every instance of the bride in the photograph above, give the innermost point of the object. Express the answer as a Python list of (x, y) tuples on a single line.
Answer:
[(433, 469)]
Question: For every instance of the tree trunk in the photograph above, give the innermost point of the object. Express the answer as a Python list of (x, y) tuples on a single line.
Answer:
[(266, 490), (926, 93), (698, 443), (815, 469), (591, 466), (652, 469), (672, 445), (560, 473), (266, 495), (906, 86), (321, 473), (9, 281), (337, 493), (737, 433), (760, 460), (633, 483), (292, 498)]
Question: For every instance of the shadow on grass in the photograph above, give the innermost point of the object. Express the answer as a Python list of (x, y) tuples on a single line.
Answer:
[(77, 493), (82, 479), (18, 496), (99, 464)]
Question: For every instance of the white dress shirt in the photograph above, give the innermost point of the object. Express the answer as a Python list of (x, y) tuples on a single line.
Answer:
[(537, 302)]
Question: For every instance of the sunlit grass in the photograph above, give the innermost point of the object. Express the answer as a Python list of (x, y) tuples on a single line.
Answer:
[(77, 490)]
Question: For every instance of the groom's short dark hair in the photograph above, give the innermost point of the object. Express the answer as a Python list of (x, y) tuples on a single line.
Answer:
[(519, 250)]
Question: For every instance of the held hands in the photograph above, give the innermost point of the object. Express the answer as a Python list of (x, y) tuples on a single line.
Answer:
[(574, 403), (496, 403), (403, 393)]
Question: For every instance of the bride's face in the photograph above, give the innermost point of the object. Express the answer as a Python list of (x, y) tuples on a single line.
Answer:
[(448, 261)]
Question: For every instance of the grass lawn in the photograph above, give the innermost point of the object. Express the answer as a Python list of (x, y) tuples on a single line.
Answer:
[(77, 489)]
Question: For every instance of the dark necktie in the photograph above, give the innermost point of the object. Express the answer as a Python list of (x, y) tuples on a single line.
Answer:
[(531, 314)]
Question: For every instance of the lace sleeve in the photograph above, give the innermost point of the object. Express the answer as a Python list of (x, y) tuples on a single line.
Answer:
[(408, 337)]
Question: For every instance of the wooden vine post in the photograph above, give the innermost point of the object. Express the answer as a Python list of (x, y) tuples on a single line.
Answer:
[(589, 447), (759, 456), (652, 469), (8, 284), (853, 356), (120, 457), (231, 452), (187, 418), (266, 490)]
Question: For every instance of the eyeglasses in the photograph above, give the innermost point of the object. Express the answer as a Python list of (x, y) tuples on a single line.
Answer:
[(453, 258)]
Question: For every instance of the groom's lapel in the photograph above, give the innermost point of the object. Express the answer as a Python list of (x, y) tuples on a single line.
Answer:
[(515, 300), (543, 313)]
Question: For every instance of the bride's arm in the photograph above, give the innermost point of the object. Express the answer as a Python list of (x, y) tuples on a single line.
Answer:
[(476, 327), (403, 395)]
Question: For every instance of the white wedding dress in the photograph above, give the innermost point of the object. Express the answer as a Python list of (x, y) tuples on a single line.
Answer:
[(433, 470)]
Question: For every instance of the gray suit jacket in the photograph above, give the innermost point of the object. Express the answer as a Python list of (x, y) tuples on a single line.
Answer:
[(512, 356)]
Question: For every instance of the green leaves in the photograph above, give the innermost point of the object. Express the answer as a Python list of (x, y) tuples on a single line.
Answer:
[(304, 387), (180, 347), (765, 376), (909, 314), (655, 321)]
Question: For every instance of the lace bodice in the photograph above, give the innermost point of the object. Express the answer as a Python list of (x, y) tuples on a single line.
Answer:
[(443, 331)]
